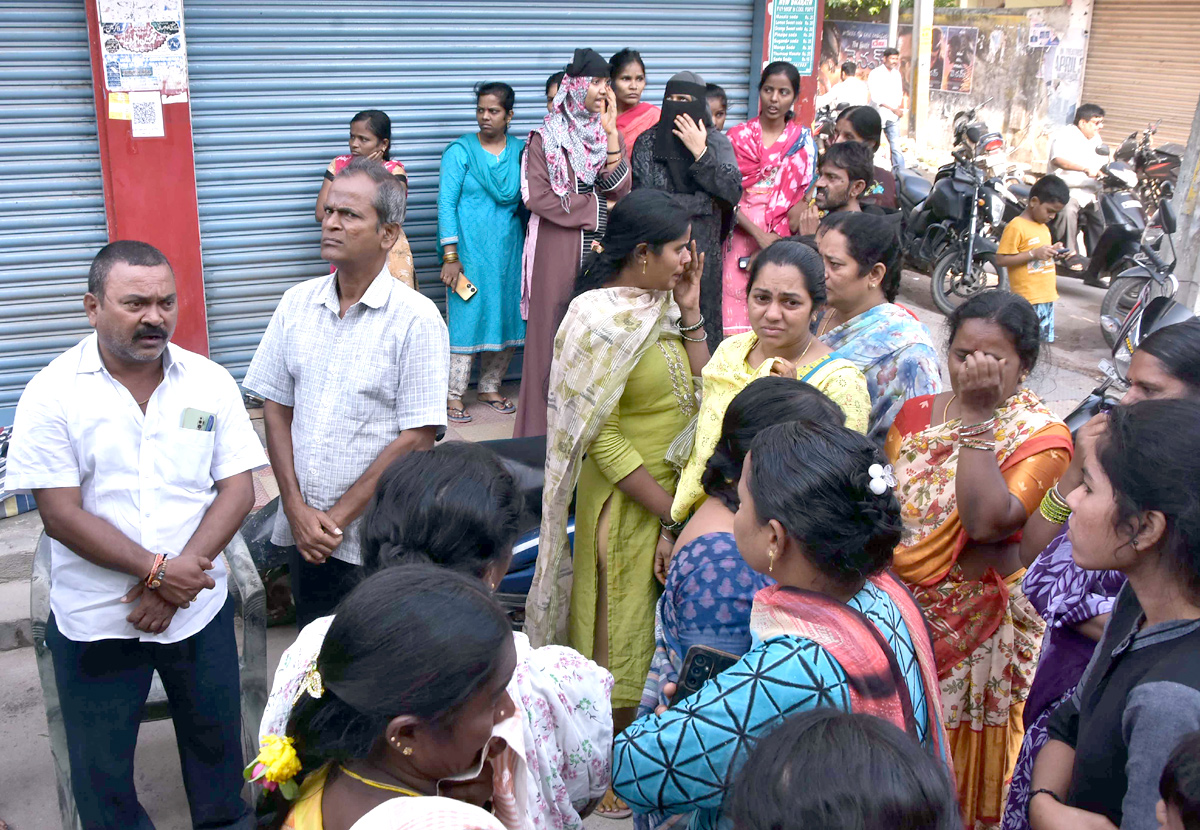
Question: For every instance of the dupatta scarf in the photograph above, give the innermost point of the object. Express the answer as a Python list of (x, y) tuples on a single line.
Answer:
[(875, 680), (790, 164), (501, 182), (635, 121), (926, 461), (602, 337), (572, 132)]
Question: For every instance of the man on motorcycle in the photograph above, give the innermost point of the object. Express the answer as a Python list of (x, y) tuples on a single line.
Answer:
[(850, 90), (1074, 159)]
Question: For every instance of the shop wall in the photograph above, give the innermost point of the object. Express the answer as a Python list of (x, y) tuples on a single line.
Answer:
[(1022, 67)]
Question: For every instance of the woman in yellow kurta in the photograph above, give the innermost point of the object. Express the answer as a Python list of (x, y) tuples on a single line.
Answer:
[(620, 391), (971, 465), (785, 290)]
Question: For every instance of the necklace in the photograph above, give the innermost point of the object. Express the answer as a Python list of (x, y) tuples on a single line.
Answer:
[(826, 322), (152, 391), (379, 785), (807, 346), (947, 409)]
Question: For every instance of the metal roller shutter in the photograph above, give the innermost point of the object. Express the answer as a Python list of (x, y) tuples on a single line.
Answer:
[(274, 83), (1143, 65), (52, 218)]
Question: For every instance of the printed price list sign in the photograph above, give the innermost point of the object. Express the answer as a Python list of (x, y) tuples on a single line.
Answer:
[(794, 33)]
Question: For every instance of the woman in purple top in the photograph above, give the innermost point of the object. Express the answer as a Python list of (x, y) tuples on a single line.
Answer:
[(1076, 603)]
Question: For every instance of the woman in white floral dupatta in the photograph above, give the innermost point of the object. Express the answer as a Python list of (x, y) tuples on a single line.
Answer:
[(620, 392)]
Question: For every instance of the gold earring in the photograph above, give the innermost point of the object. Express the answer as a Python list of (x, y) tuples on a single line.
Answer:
[(771, 561), (643, 267), (407, 750)]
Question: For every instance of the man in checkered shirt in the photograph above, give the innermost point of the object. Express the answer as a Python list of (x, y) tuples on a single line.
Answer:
[(354, 369)]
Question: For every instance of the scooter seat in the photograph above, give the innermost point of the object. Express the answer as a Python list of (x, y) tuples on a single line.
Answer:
[(914, 188), (1021, 191)]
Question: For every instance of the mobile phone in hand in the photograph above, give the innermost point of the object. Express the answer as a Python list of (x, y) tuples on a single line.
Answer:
[(701, 664), (465, 288)]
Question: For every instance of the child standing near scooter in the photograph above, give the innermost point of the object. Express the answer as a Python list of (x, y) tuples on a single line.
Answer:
[(1026, 251)]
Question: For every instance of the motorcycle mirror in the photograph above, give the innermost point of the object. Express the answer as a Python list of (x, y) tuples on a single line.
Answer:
[(1166, 215), (1103, 150)]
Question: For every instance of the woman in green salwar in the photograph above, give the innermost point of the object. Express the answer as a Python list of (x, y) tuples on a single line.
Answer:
[(620, 392)]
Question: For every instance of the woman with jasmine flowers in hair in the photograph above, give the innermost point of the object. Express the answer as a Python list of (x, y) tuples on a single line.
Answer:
[(816, 513), (972, 464)]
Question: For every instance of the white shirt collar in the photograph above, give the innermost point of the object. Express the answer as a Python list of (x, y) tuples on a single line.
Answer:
[(89, 358), (376, 295)]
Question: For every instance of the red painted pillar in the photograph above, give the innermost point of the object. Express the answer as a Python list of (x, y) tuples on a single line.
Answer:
[(805, 109), (150, 192)]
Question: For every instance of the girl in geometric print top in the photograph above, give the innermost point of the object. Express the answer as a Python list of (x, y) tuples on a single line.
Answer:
[(817, 514)]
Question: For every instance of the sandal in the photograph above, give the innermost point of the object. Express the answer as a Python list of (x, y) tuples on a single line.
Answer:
[(504, 406), (1075, 263), (458, 415), (613, 807)]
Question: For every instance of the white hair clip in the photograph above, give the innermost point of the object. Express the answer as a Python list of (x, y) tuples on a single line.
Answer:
[(882, 478)]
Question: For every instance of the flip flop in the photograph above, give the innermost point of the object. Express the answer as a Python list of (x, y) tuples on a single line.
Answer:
[(615, 813), (504, 406), (458, 416), (1075, 263)]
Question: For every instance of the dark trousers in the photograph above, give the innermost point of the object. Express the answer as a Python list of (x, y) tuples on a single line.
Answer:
[(102, 687), (1069, 221), (317, 589)]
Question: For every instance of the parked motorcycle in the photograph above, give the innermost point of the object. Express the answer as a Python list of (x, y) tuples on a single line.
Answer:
[(1146, 278), (1158, 313), (951, 227), (1157, 168), (1123, 219)]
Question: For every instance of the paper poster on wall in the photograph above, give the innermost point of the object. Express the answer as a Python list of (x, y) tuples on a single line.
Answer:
[(794, 33), (145, 106), (143, 46), (951, 58)]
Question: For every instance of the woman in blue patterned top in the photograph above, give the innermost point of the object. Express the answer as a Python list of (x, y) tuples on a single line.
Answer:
[(816, 514)]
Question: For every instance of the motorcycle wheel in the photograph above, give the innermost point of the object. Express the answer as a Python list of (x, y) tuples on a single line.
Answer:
[(1118, 300), (950, 287)]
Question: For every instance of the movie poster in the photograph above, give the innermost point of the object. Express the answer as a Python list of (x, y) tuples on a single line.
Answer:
[(951, 62)]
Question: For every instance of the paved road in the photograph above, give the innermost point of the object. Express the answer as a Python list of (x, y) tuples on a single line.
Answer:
[(27, 792)]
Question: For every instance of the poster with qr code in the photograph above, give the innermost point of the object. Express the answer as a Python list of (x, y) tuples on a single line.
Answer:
[(146, 107), (143, 47)]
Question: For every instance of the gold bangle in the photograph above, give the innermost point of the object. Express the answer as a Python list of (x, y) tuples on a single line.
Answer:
[(449, 258)]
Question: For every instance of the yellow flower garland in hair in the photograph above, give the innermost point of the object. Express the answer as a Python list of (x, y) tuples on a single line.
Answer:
[(276, 765)]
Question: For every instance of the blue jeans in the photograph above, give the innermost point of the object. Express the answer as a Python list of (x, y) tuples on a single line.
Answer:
[(102, 686), (890, 129)]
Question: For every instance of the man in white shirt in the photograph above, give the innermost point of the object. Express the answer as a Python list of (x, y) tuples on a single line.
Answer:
[(139, 453), (354, 368), (849, 90), (887, 96), (1073, 158)]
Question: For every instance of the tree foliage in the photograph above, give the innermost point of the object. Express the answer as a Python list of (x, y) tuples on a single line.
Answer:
[(876, 10)]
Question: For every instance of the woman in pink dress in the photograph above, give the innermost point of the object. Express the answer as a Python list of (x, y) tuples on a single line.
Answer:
[(778, 161), (628, 77)]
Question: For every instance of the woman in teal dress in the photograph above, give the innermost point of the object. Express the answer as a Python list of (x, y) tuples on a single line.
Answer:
[(480, 237)]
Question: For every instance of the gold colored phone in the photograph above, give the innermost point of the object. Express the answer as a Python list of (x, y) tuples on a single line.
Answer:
[(465, 288)]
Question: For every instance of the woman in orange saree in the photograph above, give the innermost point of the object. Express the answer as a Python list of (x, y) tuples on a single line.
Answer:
[(971, 465)]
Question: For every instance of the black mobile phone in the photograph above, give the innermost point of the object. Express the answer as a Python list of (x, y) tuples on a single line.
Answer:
[(744, 263), (699, 666)]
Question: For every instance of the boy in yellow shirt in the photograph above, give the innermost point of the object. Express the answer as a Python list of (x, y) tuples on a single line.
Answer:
[(1026, 252)]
